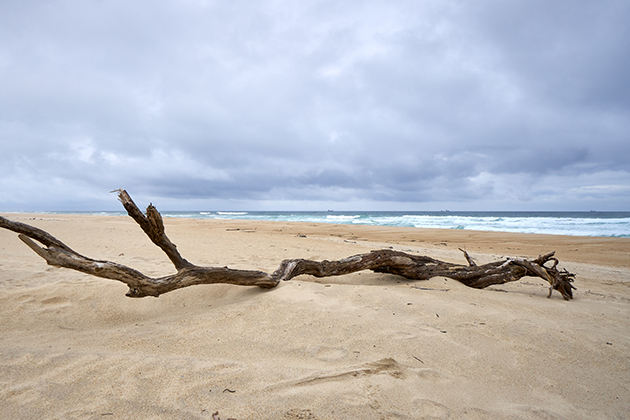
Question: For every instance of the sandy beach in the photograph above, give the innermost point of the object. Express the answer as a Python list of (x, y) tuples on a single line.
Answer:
[(360, 346)]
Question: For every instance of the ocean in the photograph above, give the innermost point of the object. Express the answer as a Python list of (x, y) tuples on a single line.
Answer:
[(611, 224)]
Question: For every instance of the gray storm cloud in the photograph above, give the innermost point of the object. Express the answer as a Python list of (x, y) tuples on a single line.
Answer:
[(397, 105)]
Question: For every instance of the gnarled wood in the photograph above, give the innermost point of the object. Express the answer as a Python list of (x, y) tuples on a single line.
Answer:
[(153, 227), (417, 267), (413, 267), (58, 254)]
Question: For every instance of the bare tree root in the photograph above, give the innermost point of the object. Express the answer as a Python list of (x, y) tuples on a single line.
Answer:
[(413, 267)]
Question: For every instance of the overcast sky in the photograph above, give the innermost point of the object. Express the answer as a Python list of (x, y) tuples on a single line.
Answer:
[(312, 105)]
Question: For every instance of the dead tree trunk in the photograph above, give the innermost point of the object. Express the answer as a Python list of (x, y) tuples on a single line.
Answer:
[(413, 267)]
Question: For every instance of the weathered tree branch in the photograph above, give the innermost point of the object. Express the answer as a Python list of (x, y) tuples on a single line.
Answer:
[(153, 226), (59, 254), (413, 267), (417, 267)]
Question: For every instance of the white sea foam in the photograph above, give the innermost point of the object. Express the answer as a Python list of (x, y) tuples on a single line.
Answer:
[(342, 217), (545, 225)]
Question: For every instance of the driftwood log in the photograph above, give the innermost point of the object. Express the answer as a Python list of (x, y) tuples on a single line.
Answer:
[(413, 267)]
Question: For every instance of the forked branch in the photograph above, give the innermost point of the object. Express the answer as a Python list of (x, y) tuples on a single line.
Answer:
[(413, 267)]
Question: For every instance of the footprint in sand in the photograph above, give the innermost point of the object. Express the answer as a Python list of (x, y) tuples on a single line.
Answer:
[(328, 354), (25, 298), (427, 409), (428, 374), (55, 301), (353, 399)]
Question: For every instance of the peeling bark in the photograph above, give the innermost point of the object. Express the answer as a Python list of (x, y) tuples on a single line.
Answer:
[(412, 267)]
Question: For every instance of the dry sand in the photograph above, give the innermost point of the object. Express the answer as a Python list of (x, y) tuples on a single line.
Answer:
[(361, 346)]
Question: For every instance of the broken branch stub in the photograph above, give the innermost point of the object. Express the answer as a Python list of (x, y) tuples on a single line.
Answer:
[(153, 227), (412, 267)]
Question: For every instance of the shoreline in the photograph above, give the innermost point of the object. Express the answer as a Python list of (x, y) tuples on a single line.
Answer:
[(608, 224), (598, 250)]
